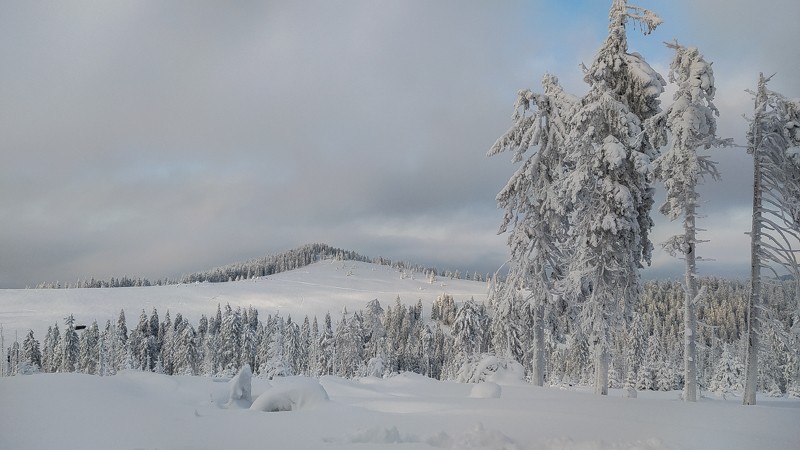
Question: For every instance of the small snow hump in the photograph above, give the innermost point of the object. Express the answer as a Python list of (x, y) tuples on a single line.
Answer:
[(486, 389)]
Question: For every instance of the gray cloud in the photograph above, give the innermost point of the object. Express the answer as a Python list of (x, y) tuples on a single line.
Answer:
[(152, 138)]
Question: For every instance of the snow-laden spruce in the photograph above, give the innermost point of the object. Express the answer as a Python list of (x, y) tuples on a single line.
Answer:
[(773, 140), (608, 191), (691, 122), (534, 210)]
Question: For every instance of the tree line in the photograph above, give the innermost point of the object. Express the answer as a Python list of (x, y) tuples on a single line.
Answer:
[(447, 343)]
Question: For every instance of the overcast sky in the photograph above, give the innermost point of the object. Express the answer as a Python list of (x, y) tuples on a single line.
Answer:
[(156, 138)]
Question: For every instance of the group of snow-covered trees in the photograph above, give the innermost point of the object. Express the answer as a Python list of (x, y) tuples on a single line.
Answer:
[(268, 265), (578, 208), (445, 342)]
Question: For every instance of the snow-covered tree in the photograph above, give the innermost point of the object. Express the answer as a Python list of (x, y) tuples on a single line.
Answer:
[(230, 334), (443, 310), (508, 327), (314, 366), (14, 358), (728, 373), (138, 344), (51, 360), (375, 332), (691, 122), (305, 351), (31, 353), (89, 349), (467, 334), (349, 338), (534, 212), (772, 140), (121, 330), (277, 364), (70, 349), (608, 191), (292, 346), (187, 356), (326, 347)]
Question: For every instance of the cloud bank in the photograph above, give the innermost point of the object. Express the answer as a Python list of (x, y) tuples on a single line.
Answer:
[(152, 139)]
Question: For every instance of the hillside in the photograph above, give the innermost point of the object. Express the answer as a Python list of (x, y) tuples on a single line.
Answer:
[(325, 286)]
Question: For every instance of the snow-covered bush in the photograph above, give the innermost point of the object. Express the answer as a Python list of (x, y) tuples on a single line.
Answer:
[(240, 389), (375, 367), (487, 367), (291, 394)]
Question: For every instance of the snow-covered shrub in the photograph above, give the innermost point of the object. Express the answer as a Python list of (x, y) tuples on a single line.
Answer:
[(291, 394), (240, 389), (375, 367), (27, 368), (629, 392), (487, 367)]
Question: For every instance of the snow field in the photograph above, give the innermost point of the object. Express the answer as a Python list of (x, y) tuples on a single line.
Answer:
[(148, 410)]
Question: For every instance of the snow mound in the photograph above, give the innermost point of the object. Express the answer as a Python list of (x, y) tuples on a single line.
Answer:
[(487, 389), (240, 389), (497, 369), (291, 394)]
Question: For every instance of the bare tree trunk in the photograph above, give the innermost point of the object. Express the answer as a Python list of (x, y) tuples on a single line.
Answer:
[(689, 313), (753, 304), (538, 345)]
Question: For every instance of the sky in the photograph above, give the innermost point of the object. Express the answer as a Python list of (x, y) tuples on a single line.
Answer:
[(151, 138)]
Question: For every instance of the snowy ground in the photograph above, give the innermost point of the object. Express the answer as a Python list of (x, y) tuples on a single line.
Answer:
[(135, 410)]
